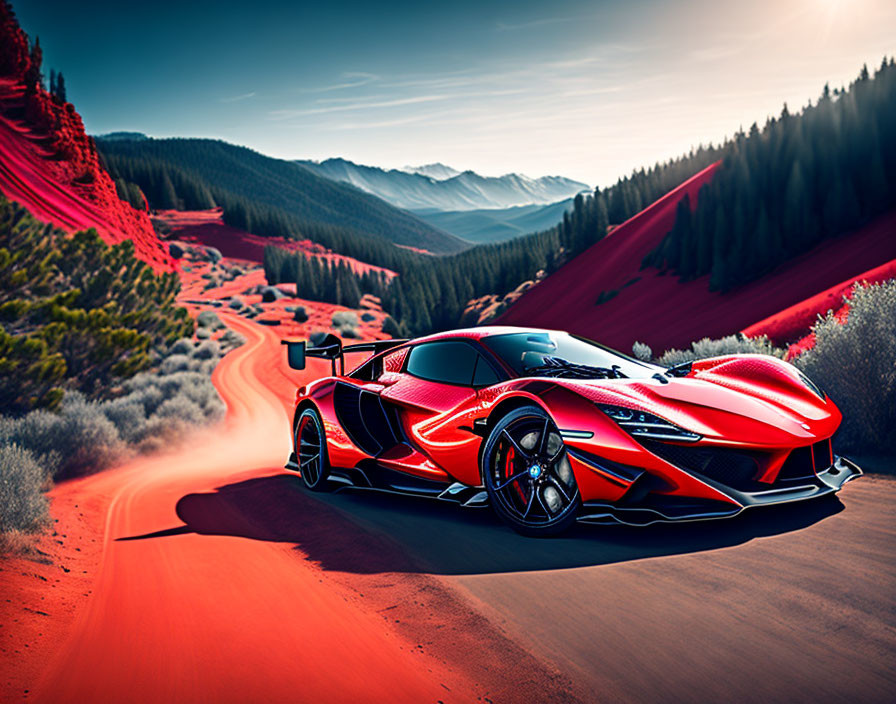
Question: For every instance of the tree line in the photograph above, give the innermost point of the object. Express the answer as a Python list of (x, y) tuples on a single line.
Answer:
[(784, 188)]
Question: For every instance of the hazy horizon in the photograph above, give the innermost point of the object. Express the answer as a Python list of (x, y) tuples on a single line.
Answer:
[(589, 91)]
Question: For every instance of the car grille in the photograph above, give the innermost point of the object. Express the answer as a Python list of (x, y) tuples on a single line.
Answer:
[(740, 469), (733, 468)]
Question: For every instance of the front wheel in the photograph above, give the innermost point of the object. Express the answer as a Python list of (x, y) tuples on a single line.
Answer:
[(311, 450), (527, 474)]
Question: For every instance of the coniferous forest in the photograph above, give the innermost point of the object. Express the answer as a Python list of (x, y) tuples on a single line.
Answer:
[(784, 188)]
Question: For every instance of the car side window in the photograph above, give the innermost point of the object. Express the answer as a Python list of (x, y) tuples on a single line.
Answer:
[(445, 362), (484, 374)]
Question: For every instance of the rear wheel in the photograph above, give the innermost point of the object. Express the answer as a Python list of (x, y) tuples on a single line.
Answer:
[(311, 450), (527, 474)]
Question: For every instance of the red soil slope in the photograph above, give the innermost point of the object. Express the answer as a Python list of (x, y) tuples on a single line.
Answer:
[(49, 165), (207, 227), (795, 321), (659, 310)]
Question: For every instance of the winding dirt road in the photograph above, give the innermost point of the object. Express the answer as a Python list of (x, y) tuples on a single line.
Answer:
[(221, 580)]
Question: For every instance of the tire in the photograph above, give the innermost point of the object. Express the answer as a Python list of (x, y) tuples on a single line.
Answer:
[(527, 474), (311, 450)]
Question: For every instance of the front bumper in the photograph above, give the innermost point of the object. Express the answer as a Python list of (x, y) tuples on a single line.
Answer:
[(824, 483)]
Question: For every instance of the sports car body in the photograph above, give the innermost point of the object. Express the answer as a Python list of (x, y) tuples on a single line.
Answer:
[(549, 428)]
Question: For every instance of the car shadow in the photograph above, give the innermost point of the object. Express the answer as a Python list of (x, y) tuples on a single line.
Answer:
[(409, 534)]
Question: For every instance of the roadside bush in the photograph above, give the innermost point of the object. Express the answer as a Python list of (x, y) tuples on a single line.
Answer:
[(345, 318), (175, 363), (855, 363), (183, 346), (230, 340), (207, 350), (85, 438), (642, 352), (209, 319), (23, 506), (34, 433), (733, 344)]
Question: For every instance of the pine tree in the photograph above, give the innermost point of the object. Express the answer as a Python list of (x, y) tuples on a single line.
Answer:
[(60, 88), (33, 76)]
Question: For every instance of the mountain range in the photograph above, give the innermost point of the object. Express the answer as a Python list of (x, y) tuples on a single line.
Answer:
[(266, 195), (492, 225), (439, 187)]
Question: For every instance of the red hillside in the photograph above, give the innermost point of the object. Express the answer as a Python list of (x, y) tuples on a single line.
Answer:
[(657, 309), (49, 165)]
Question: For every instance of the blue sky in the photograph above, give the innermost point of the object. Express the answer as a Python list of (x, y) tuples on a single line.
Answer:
[(589, 90)]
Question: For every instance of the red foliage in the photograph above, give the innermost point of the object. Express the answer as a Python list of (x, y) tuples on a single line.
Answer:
[(50, 165)]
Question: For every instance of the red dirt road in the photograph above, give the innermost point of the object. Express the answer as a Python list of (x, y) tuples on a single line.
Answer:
[(201, 613)]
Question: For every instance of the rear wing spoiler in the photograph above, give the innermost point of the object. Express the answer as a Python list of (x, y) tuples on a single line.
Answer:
[(331, 348)]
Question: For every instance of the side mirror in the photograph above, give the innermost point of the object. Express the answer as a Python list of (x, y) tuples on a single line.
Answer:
[(295, 353)]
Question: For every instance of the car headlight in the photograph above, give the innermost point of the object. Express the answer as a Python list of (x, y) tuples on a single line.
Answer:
[(646, 425), (811, 385)]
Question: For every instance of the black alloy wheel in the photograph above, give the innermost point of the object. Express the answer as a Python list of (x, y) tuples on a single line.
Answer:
[(526, 471), (311, 450)]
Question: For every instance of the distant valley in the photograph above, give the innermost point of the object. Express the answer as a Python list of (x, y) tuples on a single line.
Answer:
[(474, 207)]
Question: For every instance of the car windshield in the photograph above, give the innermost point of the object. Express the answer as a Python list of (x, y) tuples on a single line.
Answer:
[(562, 354)]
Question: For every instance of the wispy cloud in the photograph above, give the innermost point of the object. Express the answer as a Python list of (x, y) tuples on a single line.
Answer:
[(513, 26), (352, 79), (237, 98), (360, 105)]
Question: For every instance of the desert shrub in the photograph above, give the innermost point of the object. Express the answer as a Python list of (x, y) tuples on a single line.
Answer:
[(350, 333), (85, 438), (345, 318), (368, 317), (231, 340), (182, 408), (236, 303), (35, 433), (182, 346), (733, 344), (175, 363), (642, 352), (207, 350), (300, 315), (855, 363), (209, 319), (128, 415), (23, 506), (317, 337), (203, 333)]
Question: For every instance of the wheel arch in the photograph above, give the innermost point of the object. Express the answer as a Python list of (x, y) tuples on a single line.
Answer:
[(300, 408)]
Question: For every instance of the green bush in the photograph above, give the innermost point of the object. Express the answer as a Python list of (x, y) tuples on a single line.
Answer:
[(855, 363), (75, 313)]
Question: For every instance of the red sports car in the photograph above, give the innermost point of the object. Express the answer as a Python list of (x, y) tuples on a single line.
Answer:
[(548, 428)]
